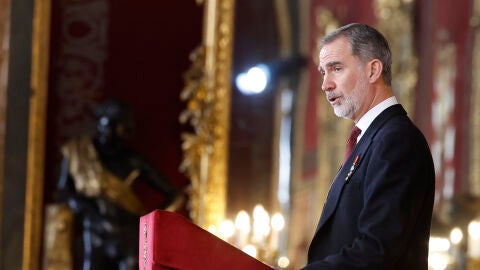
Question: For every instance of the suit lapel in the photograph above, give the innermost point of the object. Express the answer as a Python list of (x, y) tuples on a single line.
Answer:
[(360, 149), (340, 180)]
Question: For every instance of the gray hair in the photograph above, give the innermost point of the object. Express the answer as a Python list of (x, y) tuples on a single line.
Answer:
[(367, 44)]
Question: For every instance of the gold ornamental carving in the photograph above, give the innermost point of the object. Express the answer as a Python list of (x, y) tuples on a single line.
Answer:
[(396, 23), (207, 93)]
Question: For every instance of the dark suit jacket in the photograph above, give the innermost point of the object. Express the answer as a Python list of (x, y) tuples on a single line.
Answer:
[(379, 217)]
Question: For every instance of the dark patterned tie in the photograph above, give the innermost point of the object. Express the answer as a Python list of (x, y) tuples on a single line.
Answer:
[(351, 142)]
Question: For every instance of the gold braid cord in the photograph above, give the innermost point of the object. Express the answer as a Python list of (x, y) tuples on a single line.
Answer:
[(207, 92)]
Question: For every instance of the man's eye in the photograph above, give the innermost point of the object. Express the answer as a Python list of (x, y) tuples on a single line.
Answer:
[(337, 68)]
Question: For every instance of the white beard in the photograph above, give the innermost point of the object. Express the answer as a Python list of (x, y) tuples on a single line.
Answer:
[(351, 104), (346, 109)]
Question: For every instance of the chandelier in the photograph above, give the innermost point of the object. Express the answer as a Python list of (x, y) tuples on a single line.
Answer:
[(258, 235)]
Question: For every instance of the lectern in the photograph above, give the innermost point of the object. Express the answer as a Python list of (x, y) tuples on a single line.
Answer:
[(170, 241)]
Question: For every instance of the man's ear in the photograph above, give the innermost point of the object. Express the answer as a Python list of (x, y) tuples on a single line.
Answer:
[(376, 68)]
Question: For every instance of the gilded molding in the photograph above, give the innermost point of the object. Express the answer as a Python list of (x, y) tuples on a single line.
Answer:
[(207, 92), (474, 176), (36, 135), (396, 23)]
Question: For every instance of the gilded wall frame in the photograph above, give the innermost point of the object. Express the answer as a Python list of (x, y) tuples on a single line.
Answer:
[(36, 136), (207, 92)]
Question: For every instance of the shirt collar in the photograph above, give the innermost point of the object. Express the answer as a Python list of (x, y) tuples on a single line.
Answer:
[(368, 117)]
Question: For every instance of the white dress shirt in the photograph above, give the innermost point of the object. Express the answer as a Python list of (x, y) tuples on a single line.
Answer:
[(368, 117)]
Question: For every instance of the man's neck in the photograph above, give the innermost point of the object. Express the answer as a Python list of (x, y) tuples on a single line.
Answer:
[(381, 92)]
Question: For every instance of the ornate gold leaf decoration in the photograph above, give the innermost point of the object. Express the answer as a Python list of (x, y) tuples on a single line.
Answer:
[(197, 145), (207, 92), (396, 23)]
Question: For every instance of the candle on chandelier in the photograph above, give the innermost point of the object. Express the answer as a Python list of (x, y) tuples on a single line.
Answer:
[(242, 224), (261, 225), (278, 223)]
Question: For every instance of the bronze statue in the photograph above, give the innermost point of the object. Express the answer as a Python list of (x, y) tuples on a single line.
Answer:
[(100, 180)]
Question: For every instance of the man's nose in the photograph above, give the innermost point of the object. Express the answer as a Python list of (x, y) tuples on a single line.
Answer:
[(327, 84)]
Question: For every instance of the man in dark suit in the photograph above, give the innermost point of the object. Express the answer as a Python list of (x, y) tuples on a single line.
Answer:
[(378, 211)]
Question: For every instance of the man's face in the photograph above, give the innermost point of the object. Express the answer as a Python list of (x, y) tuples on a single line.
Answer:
[(345, 79)]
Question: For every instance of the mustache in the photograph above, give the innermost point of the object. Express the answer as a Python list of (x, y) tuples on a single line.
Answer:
[(331, 96)]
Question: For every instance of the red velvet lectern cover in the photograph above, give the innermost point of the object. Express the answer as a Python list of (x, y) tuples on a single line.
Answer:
[(170, 241)]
